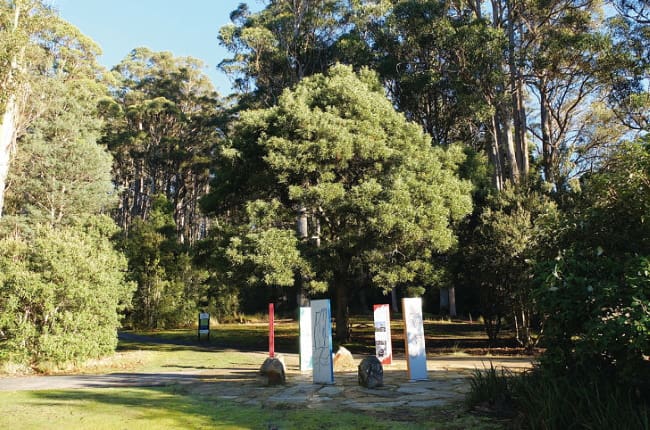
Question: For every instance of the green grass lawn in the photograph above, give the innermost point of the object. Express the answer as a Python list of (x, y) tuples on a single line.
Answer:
[(176, 407), (442, 336), (187, 407), (186, 351)]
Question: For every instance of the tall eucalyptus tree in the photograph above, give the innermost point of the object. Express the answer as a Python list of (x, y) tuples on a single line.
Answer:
[(444, 68), (630, 92), (505, 75), (35, 44), (162, 130), (275, 48)]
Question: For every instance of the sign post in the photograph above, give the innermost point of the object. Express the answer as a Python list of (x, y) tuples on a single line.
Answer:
[(204, 325), (416, 352), (383, 345), (271, 330)]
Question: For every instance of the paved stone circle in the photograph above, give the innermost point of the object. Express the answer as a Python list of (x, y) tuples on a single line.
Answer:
[(447, 384)]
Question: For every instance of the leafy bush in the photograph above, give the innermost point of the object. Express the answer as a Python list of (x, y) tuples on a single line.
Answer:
[(500, 255), (60, 293), (168, 285), (595, 295), (597, 316), (594, 299)]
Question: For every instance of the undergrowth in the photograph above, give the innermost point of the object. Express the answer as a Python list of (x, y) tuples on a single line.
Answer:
[(539, 400)]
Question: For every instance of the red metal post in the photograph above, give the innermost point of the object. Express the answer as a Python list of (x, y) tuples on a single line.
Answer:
[(271, 331)]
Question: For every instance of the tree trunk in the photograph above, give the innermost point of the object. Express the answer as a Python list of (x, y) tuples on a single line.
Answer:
[(393, 297), (495, 156), (476, 5), (342, 316), (180, 208), (8, 127), (303, 234), (444, 301), (452, 301), (315, 238), (509, 149), (547, 146), (301, 226), (519, 159), (7, 143), (521, 143)]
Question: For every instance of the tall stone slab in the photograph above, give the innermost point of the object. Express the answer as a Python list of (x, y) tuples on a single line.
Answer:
[(306, 344), (416, 352), (321, 322)]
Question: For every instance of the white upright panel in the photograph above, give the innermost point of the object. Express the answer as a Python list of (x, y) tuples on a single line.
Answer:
[(414, 338), (383, 346), (305, 340), (323, 366)]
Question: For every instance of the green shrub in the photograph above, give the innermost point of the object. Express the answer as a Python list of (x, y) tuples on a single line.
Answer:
[(597, 318), (499, 255), (60, 293), (169, 287), (594, 296)]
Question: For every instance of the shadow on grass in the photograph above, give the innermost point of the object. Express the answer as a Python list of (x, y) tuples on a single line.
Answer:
[(185, 341), (179, 406), (192, 401), (440, 337), (168, 407)]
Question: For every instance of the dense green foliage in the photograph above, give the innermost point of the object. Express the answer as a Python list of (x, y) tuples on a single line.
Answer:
[(499, 258), (593, 301), (595, 294), (168, 286), (379, 197), (278, 46), (162, 126), (630, 31), (540, 400), (59, 172), (61, 291), (62, 283)]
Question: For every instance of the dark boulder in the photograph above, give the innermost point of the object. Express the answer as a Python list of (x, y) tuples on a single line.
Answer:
[(272, 372), (371, 372)]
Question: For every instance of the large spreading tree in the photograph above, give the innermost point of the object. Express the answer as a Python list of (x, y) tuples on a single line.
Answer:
[(378, 199)]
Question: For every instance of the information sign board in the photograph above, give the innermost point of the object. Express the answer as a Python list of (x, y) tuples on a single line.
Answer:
[(383, 346)]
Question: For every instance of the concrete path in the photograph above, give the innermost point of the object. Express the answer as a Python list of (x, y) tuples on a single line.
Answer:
[(447, 384)]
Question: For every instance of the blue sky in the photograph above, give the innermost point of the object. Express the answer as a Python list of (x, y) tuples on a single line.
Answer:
[(186, 28)]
